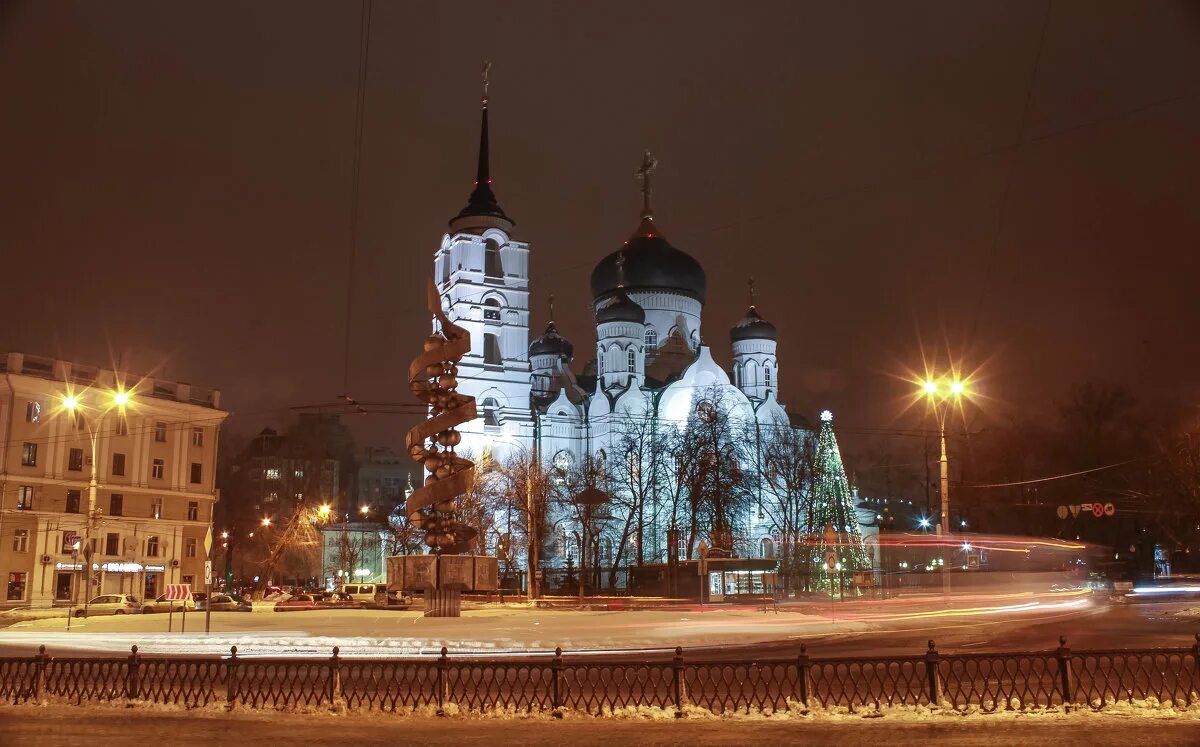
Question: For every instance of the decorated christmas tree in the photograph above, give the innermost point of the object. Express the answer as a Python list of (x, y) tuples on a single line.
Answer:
[(834, 523)]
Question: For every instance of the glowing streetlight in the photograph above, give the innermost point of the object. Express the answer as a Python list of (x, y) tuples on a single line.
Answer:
[(324, 510), (70, 402), (224, 535), (266, 522), (120, 398), (930, 387), (923, 523), (364, 510)]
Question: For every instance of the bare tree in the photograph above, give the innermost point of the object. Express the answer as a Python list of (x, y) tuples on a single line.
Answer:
[(525, 488), (787, 470), (635, 476)]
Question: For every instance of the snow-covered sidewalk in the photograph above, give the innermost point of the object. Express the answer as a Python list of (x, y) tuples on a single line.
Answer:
[(103, 724)]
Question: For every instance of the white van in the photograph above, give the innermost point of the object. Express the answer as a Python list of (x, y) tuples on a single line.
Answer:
[(364, 595)]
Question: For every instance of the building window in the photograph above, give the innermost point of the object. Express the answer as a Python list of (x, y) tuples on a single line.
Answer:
[(767, 376), (766, 548), (122, 426), (271, 473), (197, 437), (189, 547), (28, 454), (118, 467), (112, 544), (491, 310), (489, 411), (299, 474), (156, 508), (600, 363), (157, 468), (25, 497), (21, 540), (189, 581), (16, 586), (651, 340), (196, 473), (75, 460), (491, 349), (193, 511), (33, 412), (152, 546), (116, 505), (492, 266), (72, 501), (272, 496), (160, 432), (631, 361)]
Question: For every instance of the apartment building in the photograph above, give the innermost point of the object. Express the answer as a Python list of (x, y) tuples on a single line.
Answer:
[(106, 481)]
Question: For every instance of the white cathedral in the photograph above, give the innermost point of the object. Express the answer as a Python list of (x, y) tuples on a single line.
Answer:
[(651, 357)]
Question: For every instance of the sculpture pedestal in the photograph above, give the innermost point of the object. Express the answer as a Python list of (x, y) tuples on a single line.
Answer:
[(443, 603)]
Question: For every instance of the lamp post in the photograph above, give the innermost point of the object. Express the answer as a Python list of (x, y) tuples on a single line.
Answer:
[(118, 399), (940, 394)]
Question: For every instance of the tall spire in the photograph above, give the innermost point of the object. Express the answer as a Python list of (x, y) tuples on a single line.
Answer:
[(482, 201), (649, 164)]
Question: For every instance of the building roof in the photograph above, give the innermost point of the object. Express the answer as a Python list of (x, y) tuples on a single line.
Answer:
[(753, 327), (619, 307), (552, 343), (651, 263)]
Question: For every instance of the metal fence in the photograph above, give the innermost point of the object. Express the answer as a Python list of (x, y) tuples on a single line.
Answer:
[(1056, 678)]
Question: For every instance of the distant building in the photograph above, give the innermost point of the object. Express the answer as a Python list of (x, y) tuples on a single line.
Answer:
[(353, 552), (154, 444), (380, 480)]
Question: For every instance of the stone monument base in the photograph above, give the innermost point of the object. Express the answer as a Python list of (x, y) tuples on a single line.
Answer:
[(443, 603)]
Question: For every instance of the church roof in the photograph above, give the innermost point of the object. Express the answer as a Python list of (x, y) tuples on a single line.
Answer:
[(651, 263), (619, 307), (551, 343), (482, 203), (753, 327)]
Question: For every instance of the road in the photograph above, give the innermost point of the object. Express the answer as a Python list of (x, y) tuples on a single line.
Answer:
[(894, 629), (57, 725)]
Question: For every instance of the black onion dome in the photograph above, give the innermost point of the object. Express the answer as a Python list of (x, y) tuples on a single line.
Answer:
[(650, 264), (552, 343), (753, 327), (619, 307)]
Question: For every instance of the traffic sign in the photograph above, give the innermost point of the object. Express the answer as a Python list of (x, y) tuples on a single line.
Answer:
[(208, 571), (208, 542), (831, 560), (178, 592), (69, 539)]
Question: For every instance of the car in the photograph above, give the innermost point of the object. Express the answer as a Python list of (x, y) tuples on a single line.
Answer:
[(297, 602), (110, 604), (162, 604), (334, 599), (396, 599), (223, 603), (364, 595)]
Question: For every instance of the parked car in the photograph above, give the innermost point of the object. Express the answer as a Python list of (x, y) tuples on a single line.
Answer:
[(110, 604), (162, 604), (223, 603), (335, 599), (297, 602), (364, 595), (396, 600)]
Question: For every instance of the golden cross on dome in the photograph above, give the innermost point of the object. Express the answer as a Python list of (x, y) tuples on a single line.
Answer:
[(750, 283), (649, 164), (621, 269)]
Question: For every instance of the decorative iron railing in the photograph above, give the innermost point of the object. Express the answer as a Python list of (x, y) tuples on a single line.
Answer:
[(1056, 678)]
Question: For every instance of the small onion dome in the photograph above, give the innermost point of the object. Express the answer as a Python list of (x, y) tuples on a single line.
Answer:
[(551, 343), (591, 496), (619, 307), (650, 264), (753, 327)]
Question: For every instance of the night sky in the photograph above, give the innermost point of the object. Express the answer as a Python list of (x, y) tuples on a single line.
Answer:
[(1017, 184)]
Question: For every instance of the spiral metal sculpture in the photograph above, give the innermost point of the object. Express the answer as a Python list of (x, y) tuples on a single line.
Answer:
[(433, 378)]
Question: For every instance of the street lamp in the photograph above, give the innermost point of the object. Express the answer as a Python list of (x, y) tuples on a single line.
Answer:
[(940, 394), (73, 404), (266, 521)]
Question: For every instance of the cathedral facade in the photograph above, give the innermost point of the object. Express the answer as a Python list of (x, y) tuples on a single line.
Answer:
[(651, 357)]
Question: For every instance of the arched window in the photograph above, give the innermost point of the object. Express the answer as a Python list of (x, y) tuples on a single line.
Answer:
[(750, 374), (491, 349), (492, 267), (489, 405), (631, 361), (445, 265), (651, 340), (767, 376), (491, 310), (766, 548), (600, 362)]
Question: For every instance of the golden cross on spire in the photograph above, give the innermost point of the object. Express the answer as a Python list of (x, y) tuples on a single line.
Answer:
[(649, 164), (487, 69)]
